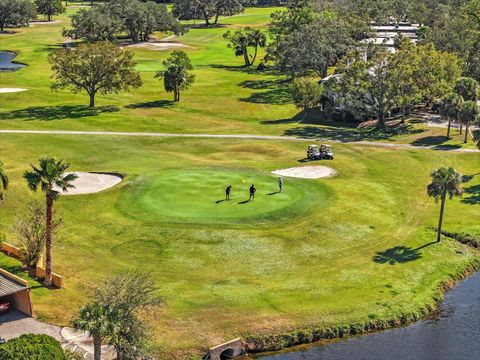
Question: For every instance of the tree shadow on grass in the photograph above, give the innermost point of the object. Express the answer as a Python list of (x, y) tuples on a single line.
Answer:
[(49, 113), (152, 104), (474, 198), (348, 133), (246, 69), (430, 141), (397, 255), (278, 96), (278, 91)]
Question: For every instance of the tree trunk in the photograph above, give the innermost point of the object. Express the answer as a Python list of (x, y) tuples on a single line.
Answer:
[(448, 127), (466, 134), (461, 128), (97, 348), (245, 57), (217, 14), (49, 17), (255, 55), (404, 115), (206, 17), (381, 121), (48, 240), (92, 100), (440, 221)]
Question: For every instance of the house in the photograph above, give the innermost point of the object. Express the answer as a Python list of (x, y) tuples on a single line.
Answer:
[(16, 292)]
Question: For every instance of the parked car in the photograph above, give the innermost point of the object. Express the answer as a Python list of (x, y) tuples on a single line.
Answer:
[(4, 306)]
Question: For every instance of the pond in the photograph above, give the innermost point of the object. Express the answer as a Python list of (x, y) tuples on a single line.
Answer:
[(6, 61), (453, 333)]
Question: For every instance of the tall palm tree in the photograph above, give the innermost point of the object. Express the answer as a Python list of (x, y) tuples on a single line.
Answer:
[(50, 175), (3, 181), (98, 320), (445, 181), (449, 108), (467, 115)]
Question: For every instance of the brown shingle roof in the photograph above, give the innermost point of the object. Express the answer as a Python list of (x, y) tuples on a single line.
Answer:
[(8, 286)]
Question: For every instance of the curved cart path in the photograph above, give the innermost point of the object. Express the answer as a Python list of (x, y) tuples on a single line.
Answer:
[(235, 136)]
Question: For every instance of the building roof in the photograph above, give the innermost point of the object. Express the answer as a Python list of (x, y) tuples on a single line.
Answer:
[(9, 286)]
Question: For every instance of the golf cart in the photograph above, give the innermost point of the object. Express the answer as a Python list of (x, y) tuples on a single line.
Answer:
[(315, 152)]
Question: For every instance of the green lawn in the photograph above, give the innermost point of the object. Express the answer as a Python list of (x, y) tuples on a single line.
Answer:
[(345, 249), (226, 98), (326, 251)]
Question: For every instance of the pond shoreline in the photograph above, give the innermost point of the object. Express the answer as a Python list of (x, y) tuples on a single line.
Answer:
[(9, 65), (262, 344)]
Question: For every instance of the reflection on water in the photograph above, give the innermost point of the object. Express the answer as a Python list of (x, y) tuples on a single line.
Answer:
[(6, 64), (454, 334)]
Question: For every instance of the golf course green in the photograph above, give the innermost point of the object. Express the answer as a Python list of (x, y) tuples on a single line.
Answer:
[(198, 195)]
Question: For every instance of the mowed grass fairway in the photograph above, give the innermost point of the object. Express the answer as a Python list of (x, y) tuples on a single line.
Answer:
[(226, 97), (342, 249), (198, 196)]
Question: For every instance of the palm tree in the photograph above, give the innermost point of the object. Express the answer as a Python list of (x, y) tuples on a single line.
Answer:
[(449, 108), (177, 77), (50, 175), (98, 320), (445, 181), (467, 115), (3, 181), (256, 39)]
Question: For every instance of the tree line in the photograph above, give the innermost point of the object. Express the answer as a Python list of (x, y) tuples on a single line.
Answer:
[(313, 39), (112, 19)]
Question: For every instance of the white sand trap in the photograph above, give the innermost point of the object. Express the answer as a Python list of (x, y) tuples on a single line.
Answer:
[(90, 183), (306, 172), (161, 45), (11, 90)]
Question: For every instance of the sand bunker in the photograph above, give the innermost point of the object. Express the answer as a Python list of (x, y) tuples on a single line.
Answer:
[(11, 90), (89, 183), (161, 45), (306, 172)]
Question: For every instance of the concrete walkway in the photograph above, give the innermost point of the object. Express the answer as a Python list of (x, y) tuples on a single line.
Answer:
[(234, 136), (14, 324)]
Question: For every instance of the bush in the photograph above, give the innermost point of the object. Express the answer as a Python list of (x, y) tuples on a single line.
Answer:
[(32, 346)]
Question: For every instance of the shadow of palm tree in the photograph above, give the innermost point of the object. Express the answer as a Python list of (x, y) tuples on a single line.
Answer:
[(49, 113), (151, 104), (397, 255), (474, 198)]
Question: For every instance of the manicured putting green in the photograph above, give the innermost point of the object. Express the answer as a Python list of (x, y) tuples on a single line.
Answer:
[(198, 195)]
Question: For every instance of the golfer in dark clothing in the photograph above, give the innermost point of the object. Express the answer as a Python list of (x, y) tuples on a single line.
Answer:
[(252, 193), (280, 184), (228, 190)]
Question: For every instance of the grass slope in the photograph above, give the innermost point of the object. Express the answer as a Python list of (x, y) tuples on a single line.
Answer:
[(226, 98), (367, 255)]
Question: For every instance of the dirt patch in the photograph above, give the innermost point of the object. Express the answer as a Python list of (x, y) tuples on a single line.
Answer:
[(90, 183), (307, 172), (160, 45), (11, 90)]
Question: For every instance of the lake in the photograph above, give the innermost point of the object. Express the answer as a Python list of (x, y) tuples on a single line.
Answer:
[(452, 334)]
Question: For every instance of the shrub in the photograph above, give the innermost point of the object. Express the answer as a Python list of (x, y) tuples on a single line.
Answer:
[(32, 346)]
